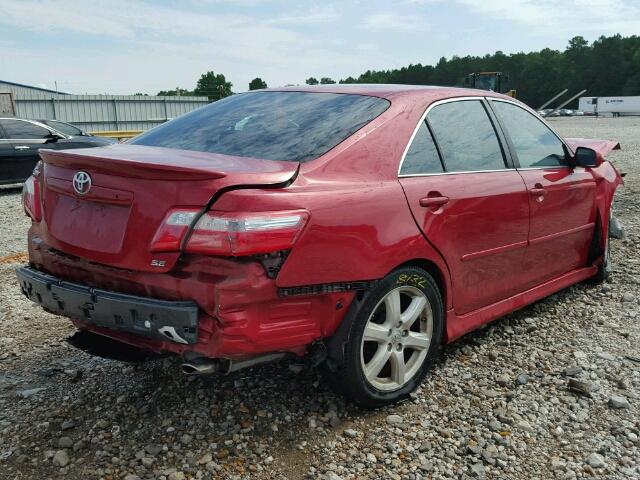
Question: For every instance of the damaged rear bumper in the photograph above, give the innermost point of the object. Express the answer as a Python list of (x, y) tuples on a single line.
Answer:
[(148, 317), (241, 313)]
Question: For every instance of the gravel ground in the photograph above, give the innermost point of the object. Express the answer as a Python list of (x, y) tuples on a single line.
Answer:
[(498, 404)]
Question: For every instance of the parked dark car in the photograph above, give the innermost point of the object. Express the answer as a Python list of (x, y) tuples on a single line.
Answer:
[(20, 140)]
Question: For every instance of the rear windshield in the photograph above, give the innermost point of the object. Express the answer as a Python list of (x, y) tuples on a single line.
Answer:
[(290, 126)]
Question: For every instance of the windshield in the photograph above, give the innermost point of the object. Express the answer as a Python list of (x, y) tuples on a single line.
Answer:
[(63, 127), (486, 82), (290, 126)]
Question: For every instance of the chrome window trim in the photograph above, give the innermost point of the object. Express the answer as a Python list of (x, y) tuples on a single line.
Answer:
[(535, 115), (551, 167), (463, 172), (422, 119)]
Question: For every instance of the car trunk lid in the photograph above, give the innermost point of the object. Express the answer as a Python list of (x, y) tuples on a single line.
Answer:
[(132, 189)]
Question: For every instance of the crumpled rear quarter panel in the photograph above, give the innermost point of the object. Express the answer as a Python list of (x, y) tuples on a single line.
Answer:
[(241, 314)]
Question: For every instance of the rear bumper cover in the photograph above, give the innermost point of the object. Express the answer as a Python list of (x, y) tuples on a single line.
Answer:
[(176, 321), (240, 311)]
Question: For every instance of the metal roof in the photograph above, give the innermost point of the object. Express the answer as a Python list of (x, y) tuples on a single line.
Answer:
[(32, 87)]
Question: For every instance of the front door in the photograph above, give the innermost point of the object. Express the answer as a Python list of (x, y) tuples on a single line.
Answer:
[(561, 198), (26, 138), (471, 206)]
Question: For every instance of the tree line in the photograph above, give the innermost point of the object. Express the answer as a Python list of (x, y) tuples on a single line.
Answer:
[(609, 66), (212, 85)]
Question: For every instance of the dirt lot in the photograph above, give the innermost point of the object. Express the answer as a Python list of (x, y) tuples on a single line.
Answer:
[(496, 406)]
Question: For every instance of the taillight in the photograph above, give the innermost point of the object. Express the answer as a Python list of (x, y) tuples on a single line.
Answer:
[(246, 233), (229, 234), (175, 225), (31, 198)]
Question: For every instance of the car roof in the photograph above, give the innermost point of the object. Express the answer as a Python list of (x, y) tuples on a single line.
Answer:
[(429, 93)]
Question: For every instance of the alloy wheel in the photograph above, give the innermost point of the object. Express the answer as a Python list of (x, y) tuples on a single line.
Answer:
[(396, 338)]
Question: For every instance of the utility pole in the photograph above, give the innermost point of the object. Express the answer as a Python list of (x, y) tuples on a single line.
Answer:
[(55, 116)]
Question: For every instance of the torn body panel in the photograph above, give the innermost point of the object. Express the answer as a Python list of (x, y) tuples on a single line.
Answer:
[(603, 147), (240, 313)]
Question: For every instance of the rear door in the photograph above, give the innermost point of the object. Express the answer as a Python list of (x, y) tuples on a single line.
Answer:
[(26, 138), (561, 198), (469, 201)]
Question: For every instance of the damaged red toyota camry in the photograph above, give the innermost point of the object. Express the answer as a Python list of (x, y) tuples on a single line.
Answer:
[(360, 226)]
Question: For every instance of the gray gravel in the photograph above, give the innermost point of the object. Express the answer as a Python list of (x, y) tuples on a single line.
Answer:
[(498, 404), (13, 222)]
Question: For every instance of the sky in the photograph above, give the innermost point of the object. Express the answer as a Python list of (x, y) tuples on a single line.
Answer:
[(130, 46)]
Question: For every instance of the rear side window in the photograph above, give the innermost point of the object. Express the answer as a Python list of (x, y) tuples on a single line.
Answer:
[(466, 137), (422, 156), (290, 126), (26, 130), (535, 144), (64, 127)]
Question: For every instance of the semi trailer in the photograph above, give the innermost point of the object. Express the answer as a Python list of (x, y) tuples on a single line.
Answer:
[(614, 106)]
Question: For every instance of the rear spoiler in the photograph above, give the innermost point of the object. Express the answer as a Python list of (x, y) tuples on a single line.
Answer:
[(158, 163)]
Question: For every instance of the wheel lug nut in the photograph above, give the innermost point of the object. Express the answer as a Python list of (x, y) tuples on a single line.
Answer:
[(399, 347)]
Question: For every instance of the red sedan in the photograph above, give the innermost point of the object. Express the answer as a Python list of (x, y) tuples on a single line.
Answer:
[(361, 226)]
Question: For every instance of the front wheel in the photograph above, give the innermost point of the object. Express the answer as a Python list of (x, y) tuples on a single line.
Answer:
[(394, 338), (604, 269)]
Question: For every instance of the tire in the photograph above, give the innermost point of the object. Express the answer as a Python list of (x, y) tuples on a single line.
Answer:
[(380, 340), (604, 269)]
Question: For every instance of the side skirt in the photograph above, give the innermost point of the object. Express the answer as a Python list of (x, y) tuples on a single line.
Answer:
[(458, 325)]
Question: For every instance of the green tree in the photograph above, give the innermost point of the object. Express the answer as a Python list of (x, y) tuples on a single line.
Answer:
[(610, 66), (257, 83), (213, 86), (327, 81), (176, 92), (311, 81)]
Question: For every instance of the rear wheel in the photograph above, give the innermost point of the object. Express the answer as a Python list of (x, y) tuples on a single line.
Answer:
[(393, 340)]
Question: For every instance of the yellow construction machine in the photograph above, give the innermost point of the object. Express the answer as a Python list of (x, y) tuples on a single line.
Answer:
[(494, 81)]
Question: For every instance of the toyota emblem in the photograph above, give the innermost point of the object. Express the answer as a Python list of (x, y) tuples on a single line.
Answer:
[(81, 183)]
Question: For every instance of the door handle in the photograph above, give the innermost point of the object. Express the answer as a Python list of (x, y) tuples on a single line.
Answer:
[(21, 147), (538, 192), (434, 201)]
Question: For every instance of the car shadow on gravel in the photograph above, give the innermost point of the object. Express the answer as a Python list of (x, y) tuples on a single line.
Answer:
[(10, 189)]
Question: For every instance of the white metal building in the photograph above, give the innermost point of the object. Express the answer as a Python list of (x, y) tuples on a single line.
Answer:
[(94, 112)]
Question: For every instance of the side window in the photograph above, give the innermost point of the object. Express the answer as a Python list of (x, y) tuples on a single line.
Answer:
[(422, 156), (534, 143), (466, 136), (20, 129)]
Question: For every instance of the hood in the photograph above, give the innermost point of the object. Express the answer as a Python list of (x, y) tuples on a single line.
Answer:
[(603, 147)]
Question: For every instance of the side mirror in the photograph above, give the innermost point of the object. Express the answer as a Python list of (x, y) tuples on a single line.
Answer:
[(52, 137), (587, 157)]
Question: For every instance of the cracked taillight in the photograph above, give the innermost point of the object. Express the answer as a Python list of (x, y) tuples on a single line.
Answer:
[(175, 225), (229, 234), (246, 233)]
